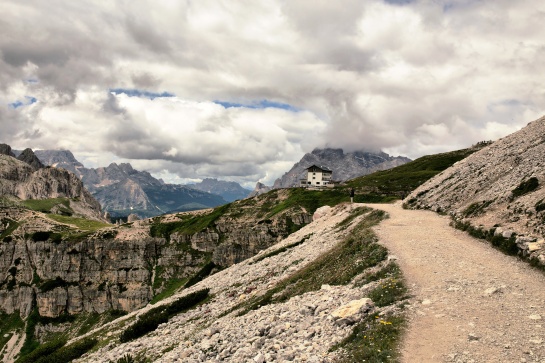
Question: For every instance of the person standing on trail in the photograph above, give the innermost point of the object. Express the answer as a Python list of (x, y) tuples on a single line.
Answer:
[(351, 195)]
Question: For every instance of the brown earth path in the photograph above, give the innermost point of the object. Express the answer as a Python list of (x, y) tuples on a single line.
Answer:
[(470, 303)]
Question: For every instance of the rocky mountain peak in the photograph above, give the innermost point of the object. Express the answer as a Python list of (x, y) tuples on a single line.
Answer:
[(259, 189), (5, 149), (30, 158), (344, 165)]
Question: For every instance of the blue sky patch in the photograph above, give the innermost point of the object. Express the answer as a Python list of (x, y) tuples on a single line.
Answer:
[(259, 105), (29, 101), (141, 93)]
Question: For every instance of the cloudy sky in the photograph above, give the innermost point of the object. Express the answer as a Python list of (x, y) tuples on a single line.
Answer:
[(241, 89)]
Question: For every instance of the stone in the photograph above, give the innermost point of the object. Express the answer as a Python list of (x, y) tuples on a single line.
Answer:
[(535, 317), (353, 309), (473, 337)]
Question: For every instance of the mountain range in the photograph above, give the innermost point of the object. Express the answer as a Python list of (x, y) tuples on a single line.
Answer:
[(344, 165), (122, 190)]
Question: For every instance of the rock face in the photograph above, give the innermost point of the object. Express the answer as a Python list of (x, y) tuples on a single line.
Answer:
[(21, 180), (259, 189), (344, 166), (498, 189), (64, 270), (6, 150), (122, 190), (230, 191), (28, 156)]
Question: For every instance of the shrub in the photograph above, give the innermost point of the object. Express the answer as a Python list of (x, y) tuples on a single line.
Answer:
[(149, 321), (42, 351), (68, 353), (525, 187)]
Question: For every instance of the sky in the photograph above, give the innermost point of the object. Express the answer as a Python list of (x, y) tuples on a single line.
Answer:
[(242, 89)]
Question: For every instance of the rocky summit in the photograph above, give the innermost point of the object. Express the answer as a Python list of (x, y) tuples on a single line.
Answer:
[(344, 165), (228, 190), (496, 192)]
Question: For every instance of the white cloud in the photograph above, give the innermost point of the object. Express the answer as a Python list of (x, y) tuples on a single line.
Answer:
[(412, 79)]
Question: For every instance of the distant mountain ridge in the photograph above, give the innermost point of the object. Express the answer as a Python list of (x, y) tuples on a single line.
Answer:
[(344, 166), (123, 190), (229, 190)]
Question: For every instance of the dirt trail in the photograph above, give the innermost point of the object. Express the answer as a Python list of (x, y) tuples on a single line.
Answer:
[(471, 303)]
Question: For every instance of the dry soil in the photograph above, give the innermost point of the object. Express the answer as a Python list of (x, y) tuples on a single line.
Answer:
[(471, 303)]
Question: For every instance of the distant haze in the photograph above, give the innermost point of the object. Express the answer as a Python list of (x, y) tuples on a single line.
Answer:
[(240, 90)]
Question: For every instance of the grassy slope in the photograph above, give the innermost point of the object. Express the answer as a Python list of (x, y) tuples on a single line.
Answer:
[(404, 178)]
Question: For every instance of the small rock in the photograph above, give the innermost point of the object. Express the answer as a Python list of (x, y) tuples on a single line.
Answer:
[(426, 302), (473, 337), (535, 317)]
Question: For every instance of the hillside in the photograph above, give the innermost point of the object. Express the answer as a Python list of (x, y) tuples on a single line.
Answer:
[(60, 267), (496, 193), (318, 293), (344, 166), (401, 180)]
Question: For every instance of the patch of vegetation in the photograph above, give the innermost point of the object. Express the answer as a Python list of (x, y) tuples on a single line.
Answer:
[(6, 234), (45, 205), (201, 274), (311, 200), (525, 187), (280, 250), (81, 223), (476, 209), (374, 339), (355, 213), (391, 270), (42, 351), (170, 289), (8, 325), (507, 245), (149, 321), (388, 292), (69, 353), (127, 358), (403, 179), (339, 266), (190, 224)]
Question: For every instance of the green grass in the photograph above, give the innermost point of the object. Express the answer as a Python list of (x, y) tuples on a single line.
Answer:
[(352, 256), (190, 224), (401, 180), (45, 205), (170, 289), (150, 320), (13, 225), (373, 340), (81, 223)]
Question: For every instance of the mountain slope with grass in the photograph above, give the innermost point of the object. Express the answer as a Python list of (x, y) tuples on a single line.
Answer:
[(496, 193), (401, 180), (327, 291)]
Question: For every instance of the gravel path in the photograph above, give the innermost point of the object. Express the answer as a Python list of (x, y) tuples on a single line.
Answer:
[(470, 302)]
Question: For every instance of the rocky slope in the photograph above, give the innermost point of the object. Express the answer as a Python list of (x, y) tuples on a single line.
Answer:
[(228, 190), (497, 191), (302, 327), (344, 166)]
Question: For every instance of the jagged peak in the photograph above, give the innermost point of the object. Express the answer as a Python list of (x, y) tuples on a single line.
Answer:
[(5, 149), (30, 158)]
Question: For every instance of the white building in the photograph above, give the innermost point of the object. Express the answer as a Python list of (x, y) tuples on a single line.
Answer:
[(317, 176)]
